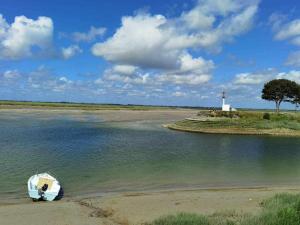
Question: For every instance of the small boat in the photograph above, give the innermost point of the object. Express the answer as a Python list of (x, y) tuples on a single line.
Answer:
[(45, 187)]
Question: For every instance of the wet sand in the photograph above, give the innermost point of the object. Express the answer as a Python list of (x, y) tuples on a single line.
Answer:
[(114, 115), (137, 208)]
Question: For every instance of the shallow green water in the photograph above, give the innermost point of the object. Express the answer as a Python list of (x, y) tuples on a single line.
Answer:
[(91, 156)]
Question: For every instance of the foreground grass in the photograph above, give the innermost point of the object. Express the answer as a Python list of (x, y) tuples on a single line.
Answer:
[(287, 123), (282, 209)]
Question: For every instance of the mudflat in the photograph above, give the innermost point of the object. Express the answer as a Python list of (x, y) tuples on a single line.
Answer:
[(122, 115)]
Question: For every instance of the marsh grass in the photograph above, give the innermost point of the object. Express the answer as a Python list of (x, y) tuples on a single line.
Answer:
[(244, 120), (81, 106), (282, 209), (182, 219)]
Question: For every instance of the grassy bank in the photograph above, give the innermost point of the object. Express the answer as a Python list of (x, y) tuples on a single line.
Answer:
[(261, 123), (282, 209)]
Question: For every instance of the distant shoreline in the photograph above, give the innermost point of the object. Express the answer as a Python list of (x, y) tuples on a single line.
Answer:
[(91, 106), (12, 104)]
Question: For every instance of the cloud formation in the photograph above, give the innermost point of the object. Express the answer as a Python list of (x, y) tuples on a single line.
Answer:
[(148, 56), (261, 77), (289, 31), (256, 78), (70, 51), (161, 45), (89, 36), (24, 36), (293, 59)]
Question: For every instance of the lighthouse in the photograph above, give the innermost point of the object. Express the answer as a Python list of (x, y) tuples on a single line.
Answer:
[(225, 107)]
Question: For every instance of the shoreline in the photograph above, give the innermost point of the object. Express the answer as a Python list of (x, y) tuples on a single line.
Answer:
[(90, 106), (237, 131), (90, 195), (139, 207), (112, 115)]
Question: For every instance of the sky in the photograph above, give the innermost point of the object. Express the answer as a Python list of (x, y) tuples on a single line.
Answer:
[(172, 52)]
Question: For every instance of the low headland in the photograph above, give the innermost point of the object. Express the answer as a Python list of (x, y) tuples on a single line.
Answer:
[(241, 122)]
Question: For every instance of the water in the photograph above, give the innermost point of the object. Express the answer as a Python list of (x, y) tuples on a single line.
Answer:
[(92, 156)]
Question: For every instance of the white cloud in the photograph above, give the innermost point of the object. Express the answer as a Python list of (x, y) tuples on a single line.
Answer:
[(253, 78), (192, 71), (70, 51), (285, 30), (139, 42), (179, 94), (159, 47), (18, 39), (293, 75), (91, 35), (154, 41), (11, 74), (205, 14), (43, 79), (124, 69), (293, 59), (190, 64), (259, 78), (288, 30), (276, 20), (136, 78), (189, 79)]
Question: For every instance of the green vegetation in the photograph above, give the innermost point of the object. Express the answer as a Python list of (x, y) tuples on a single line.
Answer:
[(182, 219), (243, 122), (81, 106), (281, 90), (266, 116), (282, 209)]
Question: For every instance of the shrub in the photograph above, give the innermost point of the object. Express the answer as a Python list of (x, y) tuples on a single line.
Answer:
[(282, 209), (224, 114), (266, 116), (182, 219)]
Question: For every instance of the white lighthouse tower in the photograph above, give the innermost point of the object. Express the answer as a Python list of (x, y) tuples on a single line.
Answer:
[(225, 107)]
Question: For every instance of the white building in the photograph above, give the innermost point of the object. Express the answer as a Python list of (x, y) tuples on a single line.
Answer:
[(226, 107)]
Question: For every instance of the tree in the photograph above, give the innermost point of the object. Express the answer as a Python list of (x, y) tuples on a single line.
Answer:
[(296, 99), (280, 90)]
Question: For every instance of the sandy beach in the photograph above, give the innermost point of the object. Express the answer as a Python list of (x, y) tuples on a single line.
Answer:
[(114, 115), (137, 208)]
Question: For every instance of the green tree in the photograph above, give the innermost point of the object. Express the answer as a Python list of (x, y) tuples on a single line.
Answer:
[(280, 90), (296, 99)]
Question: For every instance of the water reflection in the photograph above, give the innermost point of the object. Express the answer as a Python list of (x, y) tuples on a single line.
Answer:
[(89, 155)]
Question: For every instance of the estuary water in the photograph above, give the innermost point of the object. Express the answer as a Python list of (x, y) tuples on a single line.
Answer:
[(89, 155)]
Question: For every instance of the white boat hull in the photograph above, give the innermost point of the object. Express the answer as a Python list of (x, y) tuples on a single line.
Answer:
[(43, 187)]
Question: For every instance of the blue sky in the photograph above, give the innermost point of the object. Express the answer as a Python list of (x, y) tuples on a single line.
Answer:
[(147, 52)]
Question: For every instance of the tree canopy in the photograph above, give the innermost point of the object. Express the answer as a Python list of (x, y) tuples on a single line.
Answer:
[(281, 90), (296, 100)]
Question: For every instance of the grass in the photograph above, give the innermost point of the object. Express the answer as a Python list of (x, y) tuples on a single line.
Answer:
[(81, 106), (182, 219), (244, 122), (282, 209)]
